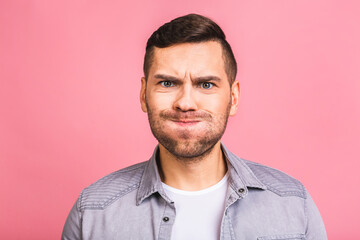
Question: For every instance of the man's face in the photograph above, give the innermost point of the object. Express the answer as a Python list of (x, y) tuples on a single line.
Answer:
[(188, 97)]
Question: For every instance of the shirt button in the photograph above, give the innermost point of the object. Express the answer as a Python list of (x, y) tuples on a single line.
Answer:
[(241, 190), (165, 219)]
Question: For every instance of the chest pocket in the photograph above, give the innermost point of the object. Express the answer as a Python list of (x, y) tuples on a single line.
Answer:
[(283, 237)]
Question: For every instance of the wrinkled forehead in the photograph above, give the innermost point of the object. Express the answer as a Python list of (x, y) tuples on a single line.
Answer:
[(197, 59)]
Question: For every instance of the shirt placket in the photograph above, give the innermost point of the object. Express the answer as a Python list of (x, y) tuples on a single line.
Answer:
[(167, 221), (227, 232)]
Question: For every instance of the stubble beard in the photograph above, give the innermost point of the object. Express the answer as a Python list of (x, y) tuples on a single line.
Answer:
[(189, 149)]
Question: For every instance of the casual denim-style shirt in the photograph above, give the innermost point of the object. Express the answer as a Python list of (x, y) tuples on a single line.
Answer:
[(261, 203)]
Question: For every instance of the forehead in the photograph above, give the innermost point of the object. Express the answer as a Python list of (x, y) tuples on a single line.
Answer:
[(189, 58)]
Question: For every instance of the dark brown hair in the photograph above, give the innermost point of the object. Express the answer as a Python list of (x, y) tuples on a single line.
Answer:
[(191, 28)]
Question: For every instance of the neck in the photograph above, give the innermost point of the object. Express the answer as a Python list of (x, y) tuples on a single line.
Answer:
[(192, 174)]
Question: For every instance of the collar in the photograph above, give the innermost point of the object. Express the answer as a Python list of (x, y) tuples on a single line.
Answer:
[(240, 177)]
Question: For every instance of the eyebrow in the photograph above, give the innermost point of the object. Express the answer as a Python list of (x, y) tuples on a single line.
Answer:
[(197, 79)]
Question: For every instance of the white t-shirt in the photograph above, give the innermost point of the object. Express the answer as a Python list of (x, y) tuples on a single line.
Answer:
[(198, 213)]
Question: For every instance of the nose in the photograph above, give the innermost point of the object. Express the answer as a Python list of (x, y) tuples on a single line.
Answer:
[(185, 99)]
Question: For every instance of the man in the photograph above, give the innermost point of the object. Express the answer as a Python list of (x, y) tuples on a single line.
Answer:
[(193, 187)]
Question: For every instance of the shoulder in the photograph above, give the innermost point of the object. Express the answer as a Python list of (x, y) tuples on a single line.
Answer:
[(277, 181), (108, 189)]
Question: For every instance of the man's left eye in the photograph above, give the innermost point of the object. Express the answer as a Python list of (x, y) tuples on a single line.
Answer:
[(206, 85)]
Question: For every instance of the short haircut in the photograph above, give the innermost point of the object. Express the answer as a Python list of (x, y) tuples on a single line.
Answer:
[(191, 28)]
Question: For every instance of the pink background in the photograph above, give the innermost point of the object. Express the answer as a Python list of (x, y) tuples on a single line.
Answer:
[(69, 109)]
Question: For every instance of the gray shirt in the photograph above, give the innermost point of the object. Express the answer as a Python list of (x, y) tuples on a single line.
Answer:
[(261, 203)]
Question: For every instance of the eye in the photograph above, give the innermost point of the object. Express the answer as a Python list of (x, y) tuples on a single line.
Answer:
[(167, 84), (206, 85)]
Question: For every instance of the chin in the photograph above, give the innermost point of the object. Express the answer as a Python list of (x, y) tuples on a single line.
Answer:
[(188, 149)]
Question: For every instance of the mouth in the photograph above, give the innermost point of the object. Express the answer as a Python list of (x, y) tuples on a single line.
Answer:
[(186, 122)]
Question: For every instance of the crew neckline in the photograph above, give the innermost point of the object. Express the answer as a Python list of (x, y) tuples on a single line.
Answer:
[(199, 192)]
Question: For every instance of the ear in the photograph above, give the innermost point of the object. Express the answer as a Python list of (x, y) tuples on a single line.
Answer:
[(235, 96), (142, 94)]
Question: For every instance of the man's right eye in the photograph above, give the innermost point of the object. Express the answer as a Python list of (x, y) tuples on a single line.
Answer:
[(167, 84)]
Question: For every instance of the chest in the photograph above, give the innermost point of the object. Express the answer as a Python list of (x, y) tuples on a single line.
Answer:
[(253, 217)]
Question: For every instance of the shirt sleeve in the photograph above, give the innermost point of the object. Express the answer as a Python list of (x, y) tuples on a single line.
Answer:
[(315, 229), (72, 228)]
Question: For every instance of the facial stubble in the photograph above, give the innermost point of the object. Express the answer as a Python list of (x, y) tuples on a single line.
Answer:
[(188, 149)]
